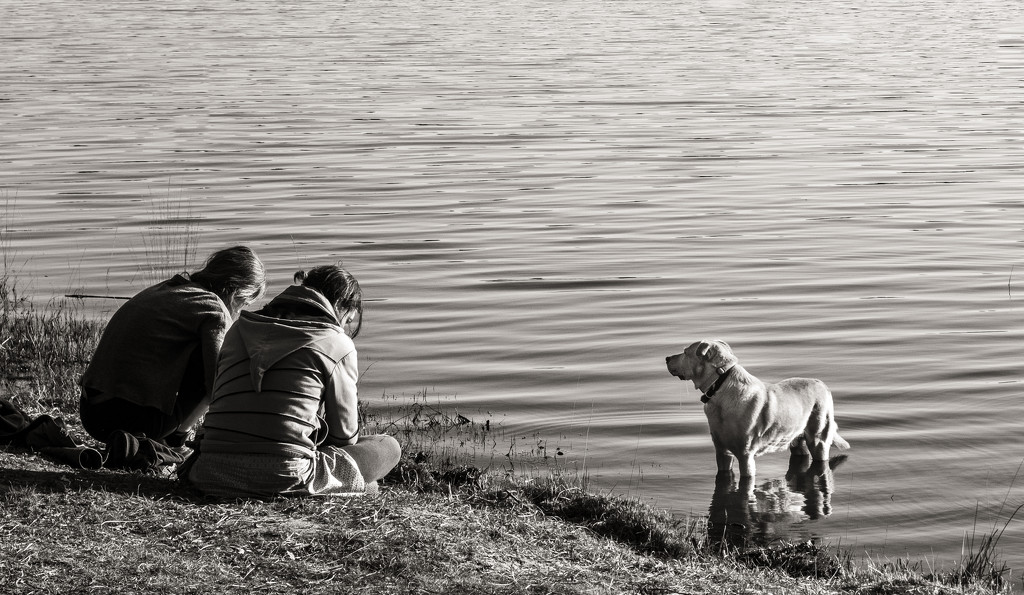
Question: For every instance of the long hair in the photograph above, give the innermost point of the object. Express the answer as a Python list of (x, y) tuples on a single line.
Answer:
[(339, 287), (235, 270)]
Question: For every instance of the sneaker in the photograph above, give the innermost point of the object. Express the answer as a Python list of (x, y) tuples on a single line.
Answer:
[(176, 439), (122, 447)]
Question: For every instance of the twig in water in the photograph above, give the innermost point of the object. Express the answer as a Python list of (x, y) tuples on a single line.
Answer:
[(100, 297)]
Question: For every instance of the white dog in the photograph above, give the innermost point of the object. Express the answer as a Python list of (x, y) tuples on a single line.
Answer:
[(748, 417)]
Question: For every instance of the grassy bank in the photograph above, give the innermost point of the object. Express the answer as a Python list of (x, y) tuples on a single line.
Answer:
[(439, 525)]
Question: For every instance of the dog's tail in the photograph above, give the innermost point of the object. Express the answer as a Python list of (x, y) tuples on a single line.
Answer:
[(839, 443)]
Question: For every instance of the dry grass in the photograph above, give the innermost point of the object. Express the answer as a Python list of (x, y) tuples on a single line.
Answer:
[(72, 531)]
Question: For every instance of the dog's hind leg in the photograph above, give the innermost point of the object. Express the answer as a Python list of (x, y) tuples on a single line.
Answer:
[(747, 466), (723, 458), (798, 447)]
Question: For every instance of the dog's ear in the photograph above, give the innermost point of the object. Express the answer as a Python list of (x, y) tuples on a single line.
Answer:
[(718, 354)]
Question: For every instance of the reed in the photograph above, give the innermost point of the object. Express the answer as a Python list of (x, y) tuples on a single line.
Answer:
[(171, 239), (979, 558), (427, 422), (43, 352), (980, 562), (9, 298)]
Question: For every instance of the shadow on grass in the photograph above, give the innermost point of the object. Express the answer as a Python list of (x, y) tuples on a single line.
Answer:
[(76, 480), (26, 468)]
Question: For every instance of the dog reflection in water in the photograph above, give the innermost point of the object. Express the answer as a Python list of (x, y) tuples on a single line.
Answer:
[(741, 513)]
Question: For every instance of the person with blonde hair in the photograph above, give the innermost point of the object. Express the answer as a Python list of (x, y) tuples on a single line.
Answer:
[(284, 415), (151, 376)]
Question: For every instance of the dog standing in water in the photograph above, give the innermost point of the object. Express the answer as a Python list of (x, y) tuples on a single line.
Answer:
[(748, 417)]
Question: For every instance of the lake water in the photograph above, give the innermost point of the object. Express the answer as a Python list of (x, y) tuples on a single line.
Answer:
[(544, 199)]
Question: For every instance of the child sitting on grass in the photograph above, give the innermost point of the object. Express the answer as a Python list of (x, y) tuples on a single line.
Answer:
[(284, 414), (150, 380)]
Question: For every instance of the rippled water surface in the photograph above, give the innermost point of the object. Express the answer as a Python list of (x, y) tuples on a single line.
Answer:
[(544, 199)]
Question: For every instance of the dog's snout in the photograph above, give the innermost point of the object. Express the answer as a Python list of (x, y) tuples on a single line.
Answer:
[(674, 368)]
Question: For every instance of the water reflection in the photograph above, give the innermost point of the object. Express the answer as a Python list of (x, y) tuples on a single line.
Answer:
[(742, 512)]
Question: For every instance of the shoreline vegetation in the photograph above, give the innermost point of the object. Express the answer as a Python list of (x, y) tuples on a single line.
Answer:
[(441, 524)]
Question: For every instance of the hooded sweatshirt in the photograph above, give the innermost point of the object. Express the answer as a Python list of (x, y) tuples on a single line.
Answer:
[(286, 381)]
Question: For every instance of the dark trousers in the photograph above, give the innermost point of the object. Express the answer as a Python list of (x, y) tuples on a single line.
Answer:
[(101, 417)]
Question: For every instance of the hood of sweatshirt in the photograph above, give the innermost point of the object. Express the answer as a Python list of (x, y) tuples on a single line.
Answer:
[(269, 339)]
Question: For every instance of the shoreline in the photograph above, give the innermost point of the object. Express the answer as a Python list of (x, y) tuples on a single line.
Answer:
[(432, 528), (440, 524)]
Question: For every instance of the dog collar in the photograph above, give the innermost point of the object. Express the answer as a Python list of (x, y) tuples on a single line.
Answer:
[(714, 387)]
